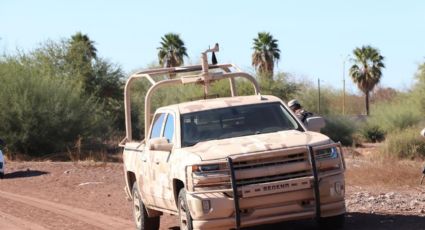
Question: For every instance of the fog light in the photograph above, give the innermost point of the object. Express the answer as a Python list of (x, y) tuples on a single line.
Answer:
[(339, 188), (206, 206)]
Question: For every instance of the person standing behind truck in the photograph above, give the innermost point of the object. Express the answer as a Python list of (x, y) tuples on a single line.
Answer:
[(299, 111)]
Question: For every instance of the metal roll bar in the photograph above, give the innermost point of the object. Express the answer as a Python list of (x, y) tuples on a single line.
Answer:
[(205, 77)]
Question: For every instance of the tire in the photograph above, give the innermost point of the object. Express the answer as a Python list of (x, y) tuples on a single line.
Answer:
[(141, 218), (1, 175), (333, 222), (185, 219)]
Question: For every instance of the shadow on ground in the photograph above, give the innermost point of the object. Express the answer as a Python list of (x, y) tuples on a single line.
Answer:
[(24, 173), (355, 221)]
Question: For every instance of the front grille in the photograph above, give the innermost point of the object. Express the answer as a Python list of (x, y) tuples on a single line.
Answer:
[(300, 157), (286, 176), (278, 166)]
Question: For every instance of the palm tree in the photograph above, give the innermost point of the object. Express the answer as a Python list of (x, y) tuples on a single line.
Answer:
[(172, 50), (80, 55), (83, 43), (366, 70), (266, 53)]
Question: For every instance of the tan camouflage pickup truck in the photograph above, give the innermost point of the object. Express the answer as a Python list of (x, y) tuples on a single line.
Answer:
[(229, 163)]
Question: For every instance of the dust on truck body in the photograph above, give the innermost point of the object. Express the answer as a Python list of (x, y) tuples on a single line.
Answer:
[(229, 163)]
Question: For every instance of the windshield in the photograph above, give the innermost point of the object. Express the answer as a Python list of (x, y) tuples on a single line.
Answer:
[(235, 122)]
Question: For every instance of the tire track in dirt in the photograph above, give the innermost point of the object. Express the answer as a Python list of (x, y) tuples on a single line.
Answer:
[(11, 222), (95, 219)]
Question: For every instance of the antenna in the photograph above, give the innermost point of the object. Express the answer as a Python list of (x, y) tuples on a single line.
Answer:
[(204, 62)]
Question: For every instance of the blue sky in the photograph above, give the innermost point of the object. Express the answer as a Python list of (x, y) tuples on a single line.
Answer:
[(314, 36)]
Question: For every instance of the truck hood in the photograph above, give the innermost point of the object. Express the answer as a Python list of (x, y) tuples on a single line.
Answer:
[(219, 149)]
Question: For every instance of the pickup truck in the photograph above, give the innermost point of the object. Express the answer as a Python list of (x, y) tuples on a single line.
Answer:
[(231, 162)]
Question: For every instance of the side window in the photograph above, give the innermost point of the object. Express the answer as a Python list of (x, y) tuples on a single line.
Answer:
[(169, 128), (157, 125)]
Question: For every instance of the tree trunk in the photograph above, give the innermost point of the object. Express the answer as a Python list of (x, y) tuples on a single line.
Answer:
[(367, 102)]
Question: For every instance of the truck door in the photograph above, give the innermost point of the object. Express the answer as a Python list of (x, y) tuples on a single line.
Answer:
[(163, 193), (148, 180)]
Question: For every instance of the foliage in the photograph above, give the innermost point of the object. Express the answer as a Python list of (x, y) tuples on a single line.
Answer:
[(171, 51), (384, 94), (406, 143), (81, 43), (43, 114), (372, 133), (394, 116), (108, 88), (98, 78), (58, 94), (308, 96), (280, 86), (418, 92), (80, 52), (366, 70), (266, 53), (340, 128)]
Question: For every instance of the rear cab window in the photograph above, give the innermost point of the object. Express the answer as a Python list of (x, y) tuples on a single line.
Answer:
[(163, 126), (157, 125)]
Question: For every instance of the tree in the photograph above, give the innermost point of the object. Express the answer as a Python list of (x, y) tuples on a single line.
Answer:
[(266, 53), (171, 51), (80, 55), (366, 70), (82, 43)]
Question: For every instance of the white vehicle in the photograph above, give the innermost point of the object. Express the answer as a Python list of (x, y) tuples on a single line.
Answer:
[(1, 165), (229, 162)]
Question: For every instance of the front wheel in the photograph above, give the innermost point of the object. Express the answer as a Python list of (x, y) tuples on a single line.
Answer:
[(184, 214), (1, 175), (141, 218)]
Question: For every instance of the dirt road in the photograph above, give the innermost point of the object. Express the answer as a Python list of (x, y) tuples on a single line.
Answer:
[(84, 195)]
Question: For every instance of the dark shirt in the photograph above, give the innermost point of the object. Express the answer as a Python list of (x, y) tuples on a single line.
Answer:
[(302, 114)]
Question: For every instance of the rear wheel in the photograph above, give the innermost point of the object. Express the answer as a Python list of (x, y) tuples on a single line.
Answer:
[(141, 218), (1, 175), (333, 222), (184, 214)]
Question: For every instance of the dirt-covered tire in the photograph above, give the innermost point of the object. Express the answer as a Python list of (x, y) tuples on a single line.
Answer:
[(141, 218), (185, 219), (333, 222)]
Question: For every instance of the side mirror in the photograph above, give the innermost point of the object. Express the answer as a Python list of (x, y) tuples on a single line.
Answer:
[(160, 144), (315, 123), (423, 132)]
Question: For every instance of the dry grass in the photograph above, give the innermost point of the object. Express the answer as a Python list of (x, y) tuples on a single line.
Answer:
[(370, 168)]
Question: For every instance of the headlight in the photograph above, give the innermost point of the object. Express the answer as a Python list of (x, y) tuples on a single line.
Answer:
[(210, 177), (205, 168), (330, 153)]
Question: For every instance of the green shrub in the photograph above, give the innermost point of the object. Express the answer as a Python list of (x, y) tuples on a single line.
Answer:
[(372, 133), (394, 116), (340, 128), (406, 143), (42, 114)]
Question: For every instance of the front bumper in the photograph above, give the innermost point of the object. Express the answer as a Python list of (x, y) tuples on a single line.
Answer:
[(267, 209)]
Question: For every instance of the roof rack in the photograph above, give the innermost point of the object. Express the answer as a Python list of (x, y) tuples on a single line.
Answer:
[(205, 77)]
